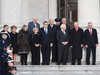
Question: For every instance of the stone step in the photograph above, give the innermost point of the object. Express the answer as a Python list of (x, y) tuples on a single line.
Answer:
[(58, 70)]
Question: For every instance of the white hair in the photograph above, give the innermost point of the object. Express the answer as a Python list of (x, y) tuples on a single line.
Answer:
[(62, 25), (76, 22), (63, 18), (35, 18)]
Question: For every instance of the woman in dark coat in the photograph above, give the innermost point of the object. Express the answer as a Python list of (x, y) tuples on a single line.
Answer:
[(23, 44), (35, 46), (13, 36), (76, 42)]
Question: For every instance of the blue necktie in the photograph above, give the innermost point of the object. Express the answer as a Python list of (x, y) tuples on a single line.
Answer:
[(46, 31)]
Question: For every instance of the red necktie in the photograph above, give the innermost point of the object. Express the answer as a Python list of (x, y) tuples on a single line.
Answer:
[(90, 33)]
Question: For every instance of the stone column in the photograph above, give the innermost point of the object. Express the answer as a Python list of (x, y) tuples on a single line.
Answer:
[(52, 9), (11, 12), (88, 11)]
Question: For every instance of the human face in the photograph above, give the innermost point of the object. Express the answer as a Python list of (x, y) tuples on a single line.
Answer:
[(35, 20), (4, 36), (51, 22), (90, 25), (45, 25), (25, 28), (64, 27), (6, 28), (63, 21), (57, 23), (36, 30), (76, 25), (14, 30)]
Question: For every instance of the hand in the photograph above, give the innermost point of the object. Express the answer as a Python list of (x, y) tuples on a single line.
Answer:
[(86, 46), (63, 43), (66, 43), (96, 45), (11, 48), (81, 45), (71, 46), (40, 45), (51, 45), (9, 44)]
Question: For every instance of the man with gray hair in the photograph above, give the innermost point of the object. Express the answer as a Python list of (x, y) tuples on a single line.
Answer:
[(76, 43), (62, 42), (67, 26), (33, 24)]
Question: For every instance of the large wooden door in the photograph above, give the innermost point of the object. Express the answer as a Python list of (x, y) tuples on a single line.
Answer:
[(68, 9)]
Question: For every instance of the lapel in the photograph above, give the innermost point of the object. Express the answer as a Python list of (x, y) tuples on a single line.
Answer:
[(33, 24), (44, 31), (62, 32), (89, 32)]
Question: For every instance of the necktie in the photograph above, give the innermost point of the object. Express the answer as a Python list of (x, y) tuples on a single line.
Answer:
[(64, 33), (46, 31), (90, 33)]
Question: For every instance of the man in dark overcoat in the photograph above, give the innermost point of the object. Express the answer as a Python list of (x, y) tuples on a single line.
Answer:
[(76, 43)]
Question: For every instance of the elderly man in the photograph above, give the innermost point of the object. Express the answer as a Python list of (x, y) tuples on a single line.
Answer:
[(67, 26), (76, 42), (33, 24), (91, 42), (53, 30), (46, 43), (62, 42)]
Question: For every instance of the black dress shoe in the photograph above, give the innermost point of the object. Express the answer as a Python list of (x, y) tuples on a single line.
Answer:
[(87, 64), (93, 64)]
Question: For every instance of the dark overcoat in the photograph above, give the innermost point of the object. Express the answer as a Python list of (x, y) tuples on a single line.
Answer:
[(76, 39)]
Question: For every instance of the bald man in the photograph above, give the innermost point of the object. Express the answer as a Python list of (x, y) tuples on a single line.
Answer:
[(62, 42), (76, 43), (67, 26)]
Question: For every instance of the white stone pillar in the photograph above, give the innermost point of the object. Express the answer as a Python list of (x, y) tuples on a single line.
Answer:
[(52, 9), (11, 12), (89, 11)]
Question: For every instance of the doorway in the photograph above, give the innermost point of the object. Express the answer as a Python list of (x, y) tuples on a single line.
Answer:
[(68, 9)]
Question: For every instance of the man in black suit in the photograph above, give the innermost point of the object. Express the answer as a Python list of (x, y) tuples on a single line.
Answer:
[(6, 27), (62, 40), (67, 26), (53, 29), (46, 43), (91, 42)]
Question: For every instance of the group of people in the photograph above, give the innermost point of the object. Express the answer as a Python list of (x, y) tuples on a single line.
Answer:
[(51, 37), (7, 66)]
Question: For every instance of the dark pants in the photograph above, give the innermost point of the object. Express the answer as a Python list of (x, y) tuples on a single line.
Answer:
[(45, 55), (24, 58), (54, 53), (35, 55), (62, 55), (73, 61), (89, 49)]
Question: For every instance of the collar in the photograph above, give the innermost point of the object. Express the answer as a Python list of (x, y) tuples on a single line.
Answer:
[(10, 56)]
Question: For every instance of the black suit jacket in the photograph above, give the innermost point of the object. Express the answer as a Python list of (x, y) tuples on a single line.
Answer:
[(46, 40), (61, 38), (8, 38), (53, 32), (91, 39)]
